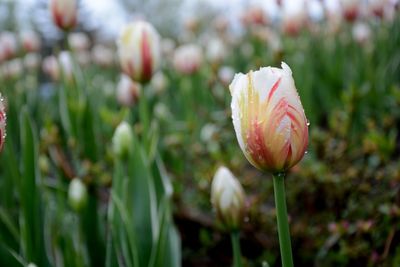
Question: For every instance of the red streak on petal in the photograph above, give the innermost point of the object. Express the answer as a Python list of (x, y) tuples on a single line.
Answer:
[(146, 58), (256, 146), (273, 89)]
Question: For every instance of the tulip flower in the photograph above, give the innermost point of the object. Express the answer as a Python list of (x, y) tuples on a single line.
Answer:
[(188, 58), (77, 194), (103, 56), (139, 50), (294, 17), (128, 91), (228, 199), (51, 67), (64, 13), (350, 9), (122, 139), (78, 41), (268, 118), (216, 51), (8, 45), (272, 131), (30, 41), (3, 118)]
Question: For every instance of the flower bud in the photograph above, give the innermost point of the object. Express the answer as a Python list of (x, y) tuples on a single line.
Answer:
[(139, 50), (122, 139), (294, 17), (51, 67), (188, 58), (228, 198), (128, 91), (77, 194), (64, 13), (103, 56), (31, 61), (350, 9), (30, 41), (216, 51), (66, 64), (8, 45), (78, 41), (361, 33), (268, 118), (3, 118)]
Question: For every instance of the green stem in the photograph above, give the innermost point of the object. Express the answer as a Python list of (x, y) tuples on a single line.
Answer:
[(282, 218), (237, 257)]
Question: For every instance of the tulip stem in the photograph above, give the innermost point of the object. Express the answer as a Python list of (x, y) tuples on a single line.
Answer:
[(282, 218), (237, 257)]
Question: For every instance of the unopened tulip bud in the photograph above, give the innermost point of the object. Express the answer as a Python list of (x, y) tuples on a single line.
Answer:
[(51, 67), (8, 45), (128, 91), (268, 118), (78, 41), (228, 198), (122, 139), (30, 41), (216, 51), (188, 58), (31, 61), (64, 13), (103, 56), (350, 9), (77, 194), (294, 17), (225, 75), (139, 50), (66, 64), (361, 33), (159, 82), (3, 118), (31, 265)]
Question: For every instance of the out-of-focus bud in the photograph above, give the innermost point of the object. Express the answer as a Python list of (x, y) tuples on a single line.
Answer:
[(162, 112), (103, 56), (167, 47), (122, 139), (351, 9), (228, 199), (139, 50), (216, 51), (83, 58), (64, 13), (8, 45), (361, 33), (78, 41), (221, 24), (51, 67), (32, 61), (293, 17), (66, 65), (128, 91), (13, 68), (3, 120), (254, 15), (225, 75), (30, 41), (188, 58), (159, 82), (77, 194), (268, 117), (377, 7), (31, 265)]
